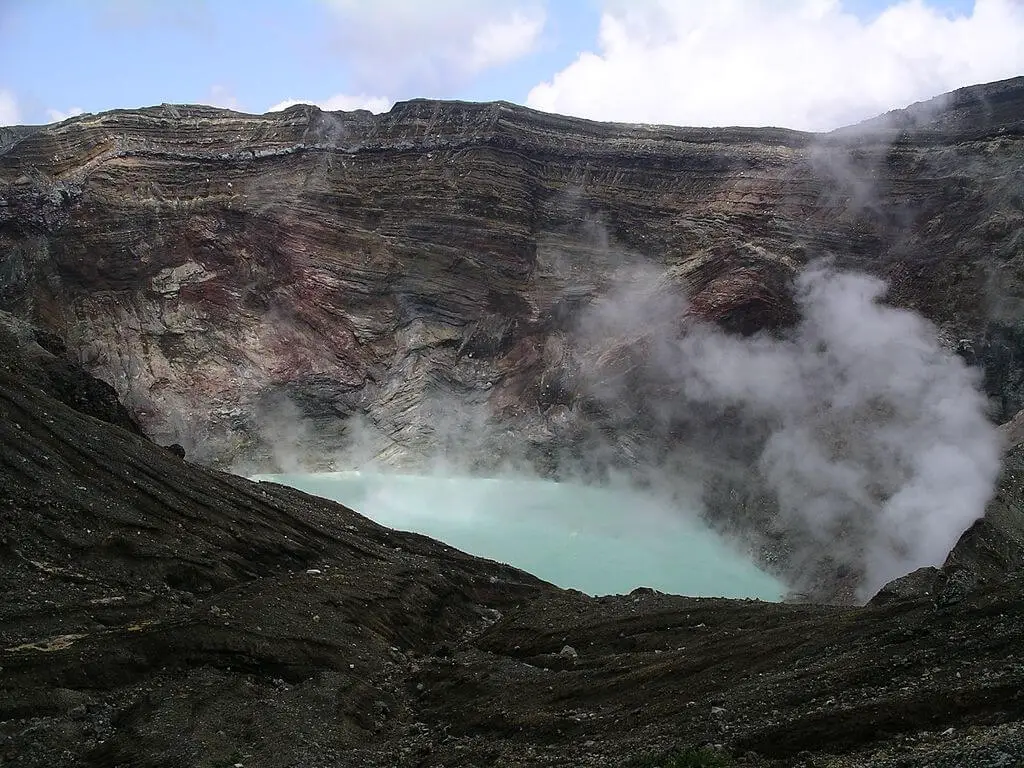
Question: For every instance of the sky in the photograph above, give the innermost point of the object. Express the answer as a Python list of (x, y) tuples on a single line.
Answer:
[(805, 64)]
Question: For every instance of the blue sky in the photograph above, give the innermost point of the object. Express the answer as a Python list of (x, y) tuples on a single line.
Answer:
[(810, 64)]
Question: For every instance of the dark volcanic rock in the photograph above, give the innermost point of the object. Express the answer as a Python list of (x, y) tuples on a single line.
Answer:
[(40, 358), (919, 583), (159, 613)]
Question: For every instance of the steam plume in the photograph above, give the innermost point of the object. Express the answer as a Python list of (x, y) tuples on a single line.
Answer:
[(871, 437), (879, 447)]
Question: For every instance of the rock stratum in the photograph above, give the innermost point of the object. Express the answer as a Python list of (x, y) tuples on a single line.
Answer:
[(306, 288), (158, 613), (218, 268)]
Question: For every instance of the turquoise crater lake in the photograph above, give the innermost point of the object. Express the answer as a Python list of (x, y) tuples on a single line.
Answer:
[(597, 540)]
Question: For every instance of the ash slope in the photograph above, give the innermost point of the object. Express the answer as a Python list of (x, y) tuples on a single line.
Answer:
[(159, 613), (218, 268)]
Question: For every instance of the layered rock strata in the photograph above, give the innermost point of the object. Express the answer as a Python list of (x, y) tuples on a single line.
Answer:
[(318, 287)]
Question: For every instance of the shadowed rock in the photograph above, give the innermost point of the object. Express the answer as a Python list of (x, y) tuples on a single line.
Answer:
[(159, 613)]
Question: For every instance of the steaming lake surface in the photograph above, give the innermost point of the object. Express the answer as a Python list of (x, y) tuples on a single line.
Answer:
[(596, 540)]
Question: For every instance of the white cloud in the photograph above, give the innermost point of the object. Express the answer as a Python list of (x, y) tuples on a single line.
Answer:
[(408, 44), (9, 112), (806, 64), (55, 115), (504, 40), (222, 96), (339, 101)]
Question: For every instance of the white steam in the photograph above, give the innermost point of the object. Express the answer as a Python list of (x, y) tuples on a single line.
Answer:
[(871, 437), (879, 445)]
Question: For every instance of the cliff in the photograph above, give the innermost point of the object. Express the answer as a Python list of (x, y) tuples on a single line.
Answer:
[(212, 266), (315, 288)]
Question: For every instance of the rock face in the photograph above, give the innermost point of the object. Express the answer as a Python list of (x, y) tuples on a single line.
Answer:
[(303, 286), (216, 267), (41, 360), (159, 613)]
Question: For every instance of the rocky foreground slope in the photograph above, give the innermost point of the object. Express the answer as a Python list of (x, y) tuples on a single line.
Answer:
[(157, 613)]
